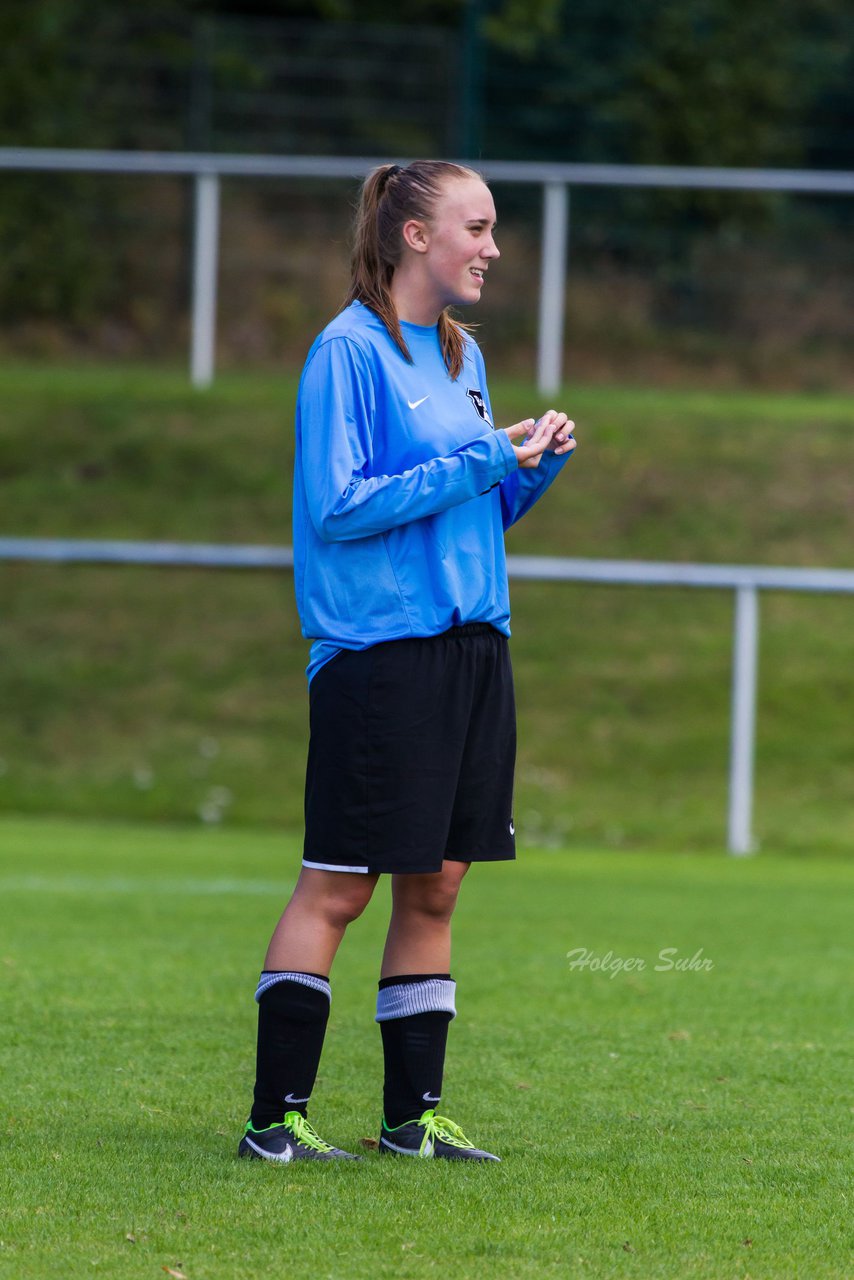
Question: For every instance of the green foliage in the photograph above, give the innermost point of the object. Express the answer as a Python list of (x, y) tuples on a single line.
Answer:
[(713, 82), (654, 1124), (696, 92), (43, 224), (47, 224), (521, 27)]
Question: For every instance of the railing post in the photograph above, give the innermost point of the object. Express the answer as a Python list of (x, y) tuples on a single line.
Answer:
[(205, 254), (552, 286), (743, 726)]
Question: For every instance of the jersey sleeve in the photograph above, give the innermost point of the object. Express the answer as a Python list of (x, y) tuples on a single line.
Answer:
[(525, 485), (345, 498)]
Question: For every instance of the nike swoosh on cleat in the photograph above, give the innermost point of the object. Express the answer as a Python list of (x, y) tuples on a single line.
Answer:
[(284, 1157), (408, 1151), (413, 404)]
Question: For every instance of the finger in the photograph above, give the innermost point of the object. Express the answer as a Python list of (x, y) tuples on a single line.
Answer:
[(556, 417), (537, 444), (544, 428), (539, 438), (535, 426), (564, 430), (520, 428), (547, 421)]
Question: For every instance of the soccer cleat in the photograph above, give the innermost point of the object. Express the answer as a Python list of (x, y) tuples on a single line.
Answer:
[(430, 1137), (293, 1139)]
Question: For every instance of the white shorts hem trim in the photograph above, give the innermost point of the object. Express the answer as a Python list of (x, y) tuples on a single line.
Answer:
[(332, 866)]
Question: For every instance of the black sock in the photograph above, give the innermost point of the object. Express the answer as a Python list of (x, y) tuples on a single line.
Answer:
[(292, 1021), (414, 1053)]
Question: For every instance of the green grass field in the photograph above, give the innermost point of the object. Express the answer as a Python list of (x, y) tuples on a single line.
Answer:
[(155, 694), (674, 1123)]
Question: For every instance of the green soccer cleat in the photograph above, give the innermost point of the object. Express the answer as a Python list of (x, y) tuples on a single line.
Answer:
[(431, 1137), (293, 1139)]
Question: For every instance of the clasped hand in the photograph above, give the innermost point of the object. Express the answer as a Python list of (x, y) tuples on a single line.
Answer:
[(552, 431)]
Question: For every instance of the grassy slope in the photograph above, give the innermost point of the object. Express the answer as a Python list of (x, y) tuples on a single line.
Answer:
[(120, 685), (654, 1124)]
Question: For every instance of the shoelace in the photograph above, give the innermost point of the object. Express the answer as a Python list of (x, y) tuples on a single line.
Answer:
[(444, 1129), (305, 1133)]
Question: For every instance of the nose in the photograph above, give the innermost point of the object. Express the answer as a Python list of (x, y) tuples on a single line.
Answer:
[(490, 249)]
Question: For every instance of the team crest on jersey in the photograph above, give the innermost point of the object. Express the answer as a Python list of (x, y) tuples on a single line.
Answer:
[(477, 400)]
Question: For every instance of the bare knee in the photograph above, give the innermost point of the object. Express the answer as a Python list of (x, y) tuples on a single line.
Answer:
[(343, 908), (337, 898), (434, 897)]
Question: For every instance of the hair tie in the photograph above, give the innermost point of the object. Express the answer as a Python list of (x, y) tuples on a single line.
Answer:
[(390, 173)]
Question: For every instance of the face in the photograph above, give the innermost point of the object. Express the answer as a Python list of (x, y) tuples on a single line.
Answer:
[(458, 246)]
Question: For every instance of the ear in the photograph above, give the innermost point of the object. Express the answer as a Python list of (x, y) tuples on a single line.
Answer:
[(415, 235)]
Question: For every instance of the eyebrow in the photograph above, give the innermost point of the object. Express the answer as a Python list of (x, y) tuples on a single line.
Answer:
[(480, 222)]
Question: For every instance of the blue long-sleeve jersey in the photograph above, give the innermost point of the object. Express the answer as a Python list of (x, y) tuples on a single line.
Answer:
[(402, 490)]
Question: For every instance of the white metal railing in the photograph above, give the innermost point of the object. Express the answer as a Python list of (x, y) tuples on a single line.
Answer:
[(206, 169), (745, 580)]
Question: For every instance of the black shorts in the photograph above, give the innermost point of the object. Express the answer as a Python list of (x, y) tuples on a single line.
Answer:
[(412, 752)]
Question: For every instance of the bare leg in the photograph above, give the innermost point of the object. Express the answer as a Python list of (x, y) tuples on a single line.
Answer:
[(292, 1014), (312, 925), (419, 933)]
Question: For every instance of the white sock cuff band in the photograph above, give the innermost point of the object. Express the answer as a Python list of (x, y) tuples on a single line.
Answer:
[(269, 979), (432, 995)]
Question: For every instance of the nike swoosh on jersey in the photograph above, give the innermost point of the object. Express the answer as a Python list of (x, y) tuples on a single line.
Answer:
[(413, 404)]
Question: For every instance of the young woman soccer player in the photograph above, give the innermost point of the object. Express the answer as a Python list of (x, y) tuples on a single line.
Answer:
[(402, 492)]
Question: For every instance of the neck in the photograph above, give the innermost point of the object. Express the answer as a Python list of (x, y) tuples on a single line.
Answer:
[(413, 301)]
